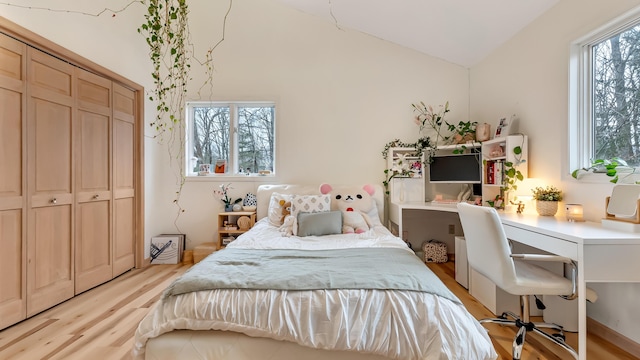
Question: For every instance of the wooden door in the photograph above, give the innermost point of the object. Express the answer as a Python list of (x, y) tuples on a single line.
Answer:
[(93, 248), (124, 195), (50, 265), (12, 182)]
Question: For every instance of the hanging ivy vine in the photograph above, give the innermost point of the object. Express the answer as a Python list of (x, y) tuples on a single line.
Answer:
[(167, 34)]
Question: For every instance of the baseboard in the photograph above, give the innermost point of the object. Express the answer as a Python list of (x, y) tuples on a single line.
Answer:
[(617, 339)]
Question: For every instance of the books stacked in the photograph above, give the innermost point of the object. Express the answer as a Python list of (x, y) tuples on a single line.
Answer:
[(494, 173)]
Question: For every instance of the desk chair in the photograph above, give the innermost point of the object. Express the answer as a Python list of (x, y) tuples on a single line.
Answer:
[(489, 253)]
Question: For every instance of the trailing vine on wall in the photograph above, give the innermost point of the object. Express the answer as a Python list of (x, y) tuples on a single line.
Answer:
[(166, 31), (167, 34)]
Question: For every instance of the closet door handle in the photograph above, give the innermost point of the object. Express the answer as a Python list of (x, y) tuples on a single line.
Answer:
[(96, 196), (54, 201)]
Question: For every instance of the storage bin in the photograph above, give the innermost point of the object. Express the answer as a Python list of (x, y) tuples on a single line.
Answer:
[(434, 251)]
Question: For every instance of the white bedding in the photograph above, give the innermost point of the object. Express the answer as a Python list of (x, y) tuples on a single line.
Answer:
[(393, 324)]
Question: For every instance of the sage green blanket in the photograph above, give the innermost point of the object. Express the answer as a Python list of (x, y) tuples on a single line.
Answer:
[(357, 268)]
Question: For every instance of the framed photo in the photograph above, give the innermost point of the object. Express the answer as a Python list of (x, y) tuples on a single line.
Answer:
[(504, 126), (220, 166), (204, 169)]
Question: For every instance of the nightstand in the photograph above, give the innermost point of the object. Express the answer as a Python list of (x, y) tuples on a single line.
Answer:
[(232, 224)]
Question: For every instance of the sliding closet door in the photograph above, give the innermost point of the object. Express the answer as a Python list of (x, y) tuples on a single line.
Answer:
[(124, 115), (12, 182), (50, 102), (93, 264)]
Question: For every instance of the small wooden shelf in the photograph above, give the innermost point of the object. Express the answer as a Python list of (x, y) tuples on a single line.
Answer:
[(231, 218)]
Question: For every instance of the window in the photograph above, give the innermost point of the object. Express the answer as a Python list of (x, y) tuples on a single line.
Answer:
[(240, 134), (605, 94)]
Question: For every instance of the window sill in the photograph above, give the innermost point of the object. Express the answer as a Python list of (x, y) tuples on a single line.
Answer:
[(601, 178), (229, 177)]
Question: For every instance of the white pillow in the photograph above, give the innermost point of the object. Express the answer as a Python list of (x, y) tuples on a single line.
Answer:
[(275, 209), (308, 204)]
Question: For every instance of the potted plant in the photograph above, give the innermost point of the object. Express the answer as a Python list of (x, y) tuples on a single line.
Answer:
[(463, 132), (610, 167), (223, 194), (428, 117), (547, 200)]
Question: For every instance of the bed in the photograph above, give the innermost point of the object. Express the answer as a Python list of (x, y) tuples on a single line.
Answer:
[(333, 296)]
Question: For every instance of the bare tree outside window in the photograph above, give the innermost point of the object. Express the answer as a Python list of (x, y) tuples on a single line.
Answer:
[(241, 134), (211, 134), (255, 138), (616, 97)]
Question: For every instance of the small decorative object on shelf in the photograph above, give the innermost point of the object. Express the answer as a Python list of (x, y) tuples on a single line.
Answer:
[(547, 200), (244, 223), (250, 202), (223, 194), (574, 212), (483, 132)]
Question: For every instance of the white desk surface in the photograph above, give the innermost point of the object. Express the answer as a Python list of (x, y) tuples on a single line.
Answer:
[(586, 233), (589, 243)]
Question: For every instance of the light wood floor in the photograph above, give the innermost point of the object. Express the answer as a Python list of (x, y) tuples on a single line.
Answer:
[(100, 323)]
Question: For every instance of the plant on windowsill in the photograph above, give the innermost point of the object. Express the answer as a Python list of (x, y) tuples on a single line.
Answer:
[(610, 167), (547, 199)]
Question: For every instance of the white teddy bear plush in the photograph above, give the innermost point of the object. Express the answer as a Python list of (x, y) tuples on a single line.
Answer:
[(354, 203)]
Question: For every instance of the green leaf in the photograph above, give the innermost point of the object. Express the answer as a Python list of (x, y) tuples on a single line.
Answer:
[(575, 173), (517, 150)]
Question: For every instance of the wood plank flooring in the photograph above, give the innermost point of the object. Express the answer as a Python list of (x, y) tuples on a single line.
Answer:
[(100, 323)]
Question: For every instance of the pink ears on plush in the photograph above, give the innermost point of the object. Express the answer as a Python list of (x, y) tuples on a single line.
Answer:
[(369, 188), (325, 189)]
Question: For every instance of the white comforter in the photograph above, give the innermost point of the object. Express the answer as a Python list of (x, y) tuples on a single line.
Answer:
[(395, 324)]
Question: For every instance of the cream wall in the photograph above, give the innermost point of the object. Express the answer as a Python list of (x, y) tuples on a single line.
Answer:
[(340, 95), (528, 76)]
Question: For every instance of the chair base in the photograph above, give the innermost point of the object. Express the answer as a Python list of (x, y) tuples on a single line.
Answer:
[(523, 327)]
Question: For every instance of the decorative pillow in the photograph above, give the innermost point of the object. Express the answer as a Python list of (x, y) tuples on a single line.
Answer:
[(275, 208), (320, 223), (310, 204)]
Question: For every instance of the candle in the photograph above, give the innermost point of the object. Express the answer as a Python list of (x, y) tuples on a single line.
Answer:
[(574, 212)]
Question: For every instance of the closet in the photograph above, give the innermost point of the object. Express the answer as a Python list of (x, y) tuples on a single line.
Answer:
[(70, 179)]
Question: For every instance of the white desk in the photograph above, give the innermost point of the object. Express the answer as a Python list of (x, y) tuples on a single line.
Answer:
[(602, 255)]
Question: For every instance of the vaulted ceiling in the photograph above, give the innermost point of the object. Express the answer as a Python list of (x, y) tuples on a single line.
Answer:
[(462, 32)]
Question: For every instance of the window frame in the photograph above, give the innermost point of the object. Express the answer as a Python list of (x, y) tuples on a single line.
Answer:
[(580, 130), (233, 147)]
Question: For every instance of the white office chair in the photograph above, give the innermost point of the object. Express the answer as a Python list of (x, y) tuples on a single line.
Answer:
[(489, 253)]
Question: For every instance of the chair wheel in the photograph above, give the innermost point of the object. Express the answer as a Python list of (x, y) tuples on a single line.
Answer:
[(560, 336)]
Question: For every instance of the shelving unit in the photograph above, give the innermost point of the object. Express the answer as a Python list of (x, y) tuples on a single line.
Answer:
[(497, 152), (236, 219), (407, 188)]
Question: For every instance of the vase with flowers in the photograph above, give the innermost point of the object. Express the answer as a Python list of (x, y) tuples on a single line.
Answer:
[(547, 199), (223, 194), (428, 117)]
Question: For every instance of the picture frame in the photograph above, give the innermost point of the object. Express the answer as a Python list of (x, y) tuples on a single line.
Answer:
[(204, 169), (220, 166), (504, 127)]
